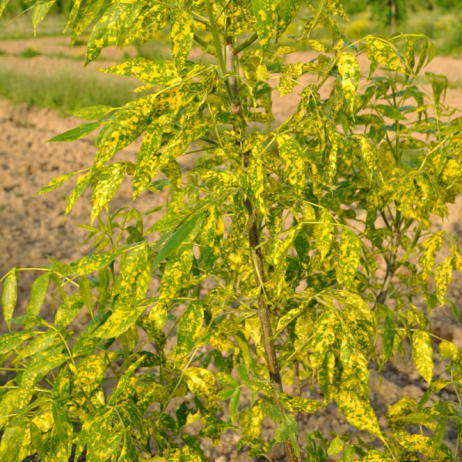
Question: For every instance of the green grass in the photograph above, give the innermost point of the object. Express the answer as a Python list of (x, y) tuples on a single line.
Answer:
[(20, 27), (29, 52), (63, 90)]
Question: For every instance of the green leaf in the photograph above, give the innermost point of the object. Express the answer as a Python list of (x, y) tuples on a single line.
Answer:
[(190, 327), (38, 293), (287, 9), (9, 296), (149, 159), (388, 334), (41, 9), (381, 51), (92, 112), (422, 353), (130, 287), (111, 27), (152, 72), (35, 371), (357, 411), (76, 133), (234, 403), (349, 71), (13, 440), (288, 431), (390, 111), (335, 446), (324, 233), (202, 383), (181, 234), (55, 183), (91, 263), (107, 184), (291, 151), (300, 404), (181, 36), (11, 340), (3, 5), (81, 185), (350, 253), (443, 278), (265, 17), (67, 311), (85, 293)]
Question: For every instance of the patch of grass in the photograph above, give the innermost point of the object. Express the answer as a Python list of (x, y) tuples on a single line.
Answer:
[(455, 84), (20, 27), (63, 90), (29, 52)]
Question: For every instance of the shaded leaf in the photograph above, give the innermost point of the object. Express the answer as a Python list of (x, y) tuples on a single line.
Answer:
[(265, 17), (38, 293)]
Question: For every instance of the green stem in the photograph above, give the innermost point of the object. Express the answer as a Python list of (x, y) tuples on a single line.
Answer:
[(246, 44), (216, 38)]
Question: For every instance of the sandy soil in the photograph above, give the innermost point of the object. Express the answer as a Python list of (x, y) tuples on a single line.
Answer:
[(33, 227)]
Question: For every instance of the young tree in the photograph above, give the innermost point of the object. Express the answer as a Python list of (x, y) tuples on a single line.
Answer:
[(293, 253)]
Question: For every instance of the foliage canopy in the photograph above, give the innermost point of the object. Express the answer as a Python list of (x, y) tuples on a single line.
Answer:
[(292, 254)]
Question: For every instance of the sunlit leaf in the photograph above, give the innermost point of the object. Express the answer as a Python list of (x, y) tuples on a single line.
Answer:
[(422, 353), (9, 296)]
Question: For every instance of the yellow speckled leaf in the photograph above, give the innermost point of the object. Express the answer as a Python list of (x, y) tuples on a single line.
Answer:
[(109, 30), (324, 232), (357, 411), (202, 383), (189, 328), (443, 277), (130, 287), (427, 259), (300, 404), (3, 5), (422, 353), (265, 16), (350, 253), (420, 443), (181, 36), (381, 51), (107, 184), (251, 420), (291, 151), (146, 70), (348, 68)]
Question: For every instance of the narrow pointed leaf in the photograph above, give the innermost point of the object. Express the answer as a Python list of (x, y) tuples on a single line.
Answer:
[(9, 296), (92, 112), (76, 133), (41, 9), (181, 37), (38, 293), (422, 353), (265, 17), (55, 183), (180, 235)]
